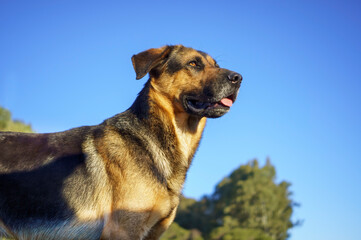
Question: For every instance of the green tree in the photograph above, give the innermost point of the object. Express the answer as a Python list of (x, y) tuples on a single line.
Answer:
[(175, 232), (7, 124), (194, 214), (247, 205), (230, 230), (252, 199)]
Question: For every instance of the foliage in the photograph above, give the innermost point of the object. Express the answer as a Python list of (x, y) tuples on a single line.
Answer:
[(194, 214), (7, 124), (175, 232), (246, 205)]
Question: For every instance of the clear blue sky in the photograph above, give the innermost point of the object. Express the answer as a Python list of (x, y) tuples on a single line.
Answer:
[(65, 64)]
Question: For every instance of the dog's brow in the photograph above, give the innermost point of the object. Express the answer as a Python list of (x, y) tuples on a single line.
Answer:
[(203, 54), (206, 56)]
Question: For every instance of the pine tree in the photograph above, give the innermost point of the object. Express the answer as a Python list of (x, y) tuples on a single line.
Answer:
[(247, 205), (250, 199)]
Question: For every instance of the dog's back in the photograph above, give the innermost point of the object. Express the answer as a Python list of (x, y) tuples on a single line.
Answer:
[(27, 151)]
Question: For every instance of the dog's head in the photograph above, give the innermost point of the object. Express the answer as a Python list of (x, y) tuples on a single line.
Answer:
[(190, 79)]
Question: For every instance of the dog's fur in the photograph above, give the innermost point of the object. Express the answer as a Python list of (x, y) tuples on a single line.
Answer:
[(121, 179)]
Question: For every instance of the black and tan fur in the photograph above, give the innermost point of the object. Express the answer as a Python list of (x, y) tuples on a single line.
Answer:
[(121, 179)]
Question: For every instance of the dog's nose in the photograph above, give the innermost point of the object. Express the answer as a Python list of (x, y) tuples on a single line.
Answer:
[(234, 77)]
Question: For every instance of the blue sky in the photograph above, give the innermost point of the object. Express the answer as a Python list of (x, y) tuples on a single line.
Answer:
[(65, 64)]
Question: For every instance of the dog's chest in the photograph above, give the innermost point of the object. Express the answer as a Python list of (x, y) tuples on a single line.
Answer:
[(138, 212)]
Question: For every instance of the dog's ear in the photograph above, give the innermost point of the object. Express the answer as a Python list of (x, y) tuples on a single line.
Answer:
[(145, 61)]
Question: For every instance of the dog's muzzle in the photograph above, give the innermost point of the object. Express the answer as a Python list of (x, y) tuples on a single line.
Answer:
[(216, 97)]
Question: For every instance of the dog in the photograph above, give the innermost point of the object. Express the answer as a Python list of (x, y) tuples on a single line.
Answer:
[(121, 179)]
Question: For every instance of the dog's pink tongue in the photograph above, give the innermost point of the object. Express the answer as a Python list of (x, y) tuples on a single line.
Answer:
[(227, 102)]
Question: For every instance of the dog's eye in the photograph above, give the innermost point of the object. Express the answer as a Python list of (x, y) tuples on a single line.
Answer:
[(193, 63)]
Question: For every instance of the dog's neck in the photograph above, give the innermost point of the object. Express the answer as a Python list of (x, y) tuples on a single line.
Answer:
[(176, 130)]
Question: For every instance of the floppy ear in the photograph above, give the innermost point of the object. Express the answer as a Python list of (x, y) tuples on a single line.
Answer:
[(145, 61)]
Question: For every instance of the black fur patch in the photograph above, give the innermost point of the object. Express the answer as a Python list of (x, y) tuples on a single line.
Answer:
[(174, 66)]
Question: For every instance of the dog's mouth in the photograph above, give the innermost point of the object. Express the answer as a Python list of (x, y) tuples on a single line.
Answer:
[(208, 108), (201, 105)]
